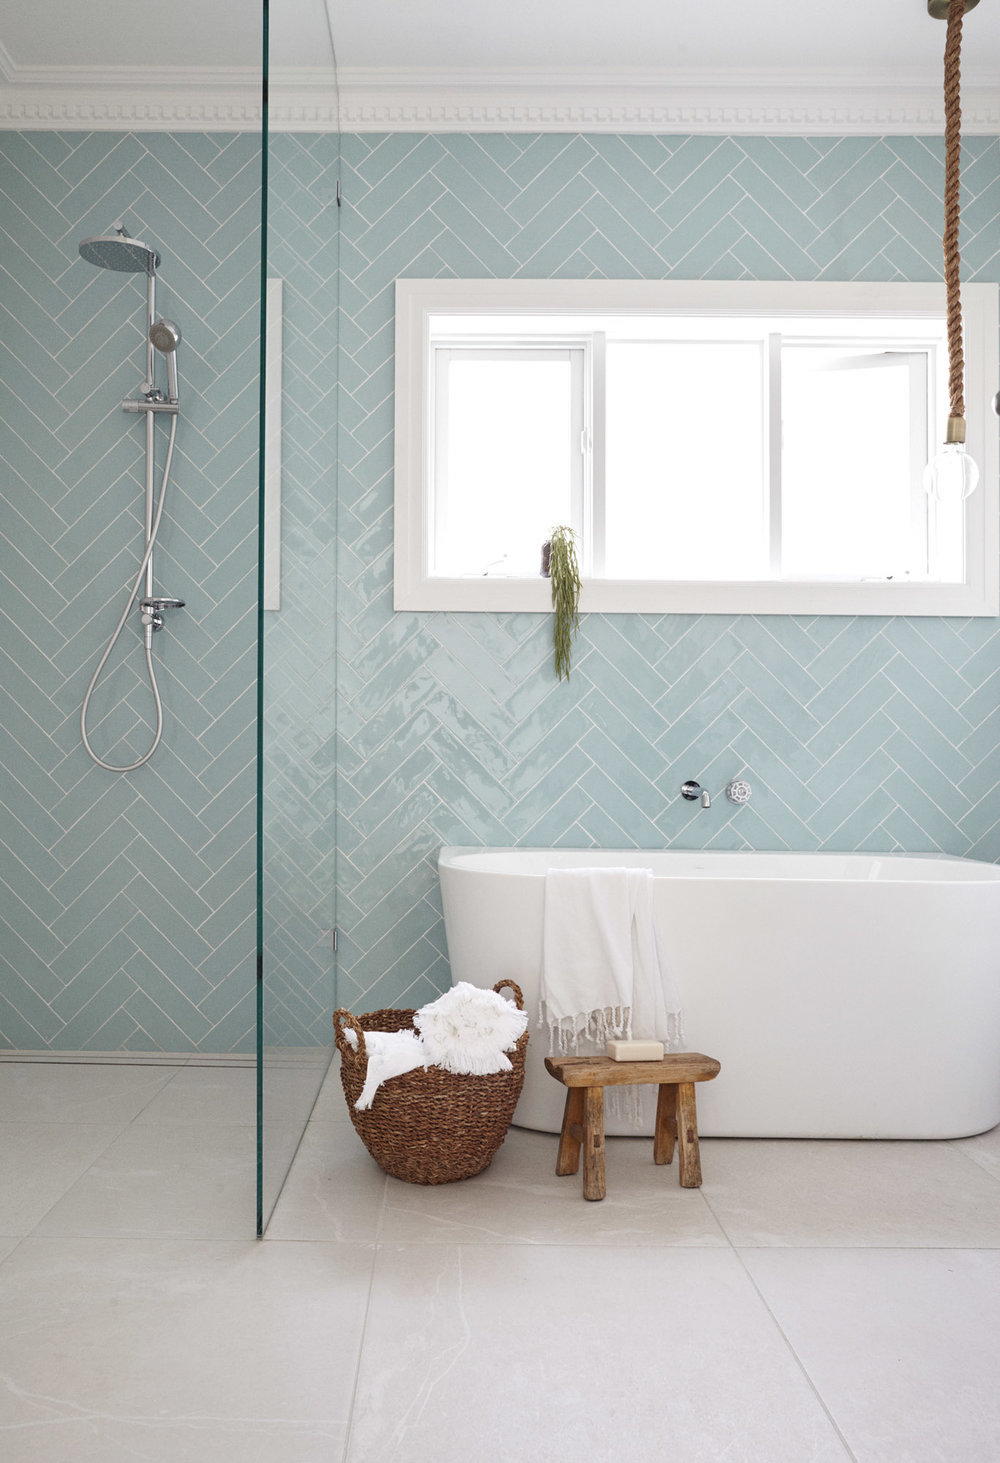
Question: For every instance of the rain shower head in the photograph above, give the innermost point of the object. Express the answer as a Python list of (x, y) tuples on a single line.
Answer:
[(119, 251)]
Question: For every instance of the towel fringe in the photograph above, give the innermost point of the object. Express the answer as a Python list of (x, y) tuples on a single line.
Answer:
[(568, 1037), (610, 1023)]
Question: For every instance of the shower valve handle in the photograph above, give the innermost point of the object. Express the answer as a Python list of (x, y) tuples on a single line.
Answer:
[(142, 404)]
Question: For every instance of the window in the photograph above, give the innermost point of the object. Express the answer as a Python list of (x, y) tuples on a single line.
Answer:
[(718, 447)]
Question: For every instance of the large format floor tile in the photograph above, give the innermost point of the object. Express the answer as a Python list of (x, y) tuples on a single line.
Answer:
[(39, 1162), (792, 1192), (560, 1353), (334, 1190), (520, 1199), (201, 1095), (228, 1094), (62, 1092), (155, 1180), (903, 1345), (331, 1104), (112, 1351)]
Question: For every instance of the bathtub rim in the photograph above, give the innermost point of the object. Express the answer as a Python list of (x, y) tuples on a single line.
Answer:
[(460, 858)]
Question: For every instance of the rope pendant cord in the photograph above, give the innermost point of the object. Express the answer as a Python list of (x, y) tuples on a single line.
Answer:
[(952, 172)]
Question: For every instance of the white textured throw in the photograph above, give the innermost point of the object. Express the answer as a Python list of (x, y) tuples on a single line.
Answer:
[(470, 1030), (603, 975), (467, 1030)]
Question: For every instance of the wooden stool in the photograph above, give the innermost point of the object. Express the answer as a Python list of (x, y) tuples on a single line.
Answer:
[(583, 1118)]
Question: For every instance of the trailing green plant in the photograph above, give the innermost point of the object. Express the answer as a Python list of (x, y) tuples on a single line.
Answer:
[(564, 572)]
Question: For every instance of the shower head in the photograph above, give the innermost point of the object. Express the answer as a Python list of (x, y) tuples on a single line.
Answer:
[(119, 251), (166, 337)]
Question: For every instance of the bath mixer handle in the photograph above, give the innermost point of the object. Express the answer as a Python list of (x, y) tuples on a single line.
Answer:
[(738, 791)]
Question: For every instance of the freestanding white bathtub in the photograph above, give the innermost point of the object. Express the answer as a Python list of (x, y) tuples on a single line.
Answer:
[(846, 995)]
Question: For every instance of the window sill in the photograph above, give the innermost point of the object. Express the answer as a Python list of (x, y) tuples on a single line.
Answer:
[(704, 597)]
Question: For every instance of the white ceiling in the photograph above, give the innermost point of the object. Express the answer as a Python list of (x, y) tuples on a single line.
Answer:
[(885, 50), (852, 39)]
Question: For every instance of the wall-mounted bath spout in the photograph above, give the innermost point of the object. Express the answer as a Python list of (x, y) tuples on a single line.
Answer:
[(693, 792)]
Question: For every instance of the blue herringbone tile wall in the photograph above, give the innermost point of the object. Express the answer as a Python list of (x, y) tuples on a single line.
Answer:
[(127, 905), (300, 639), (127, 901), (855, 733)]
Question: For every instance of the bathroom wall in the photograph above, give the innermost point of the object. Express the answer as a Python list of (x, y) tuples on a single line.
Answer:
[(878, 734), (127, 903), (126, 907)]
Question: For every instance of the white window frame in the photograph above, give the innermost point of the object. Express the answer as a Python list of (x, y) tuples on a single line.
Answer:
[(417, 301)]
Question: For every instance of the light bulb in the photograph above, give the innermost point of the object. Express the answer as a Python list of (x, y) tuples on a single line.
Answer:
[(952, 475)]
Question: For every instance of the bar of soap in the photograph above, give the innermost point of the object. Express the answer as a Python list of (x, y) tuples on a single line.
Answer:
[(635, 1051)]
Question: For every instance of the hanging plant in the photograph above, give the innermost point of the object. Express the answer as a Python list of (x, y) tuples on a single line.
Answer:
[(559, 562)]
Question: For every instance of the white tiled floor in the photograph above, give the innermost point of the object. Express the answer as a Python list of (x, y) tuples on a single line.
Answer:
[(812, 1303)]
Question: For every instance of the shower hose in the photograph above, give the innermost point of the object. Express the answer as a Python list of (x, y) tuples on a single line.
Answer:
[(147, 555)]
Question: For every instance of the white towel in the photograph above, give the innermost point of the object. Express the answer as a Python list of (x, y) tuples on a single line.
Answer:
[(603, 975), (586, 984), (390, 1054), (656, 997)]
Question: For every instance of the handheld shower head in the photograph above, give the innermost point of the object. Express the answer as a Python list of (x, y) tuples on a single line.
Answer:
[(166, 337)]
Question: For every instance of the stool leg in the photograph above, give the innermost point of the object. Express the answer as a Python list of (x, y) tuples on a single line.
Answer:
[(687, 1137), (571, 1136), (665, 1132), (594, 1184)]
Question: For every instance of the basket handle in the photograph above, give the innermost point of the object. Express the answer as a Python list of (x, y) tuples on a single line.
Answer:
[(518, 997), (344, 1018)]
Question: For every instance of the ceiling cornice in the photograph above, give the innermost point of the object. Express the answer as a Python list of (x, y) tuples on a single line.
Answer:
[(408, 100)]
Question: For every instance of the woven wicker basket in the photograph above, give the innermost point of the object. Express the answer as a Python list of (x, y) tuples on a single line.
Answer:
[(429, 1126)]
